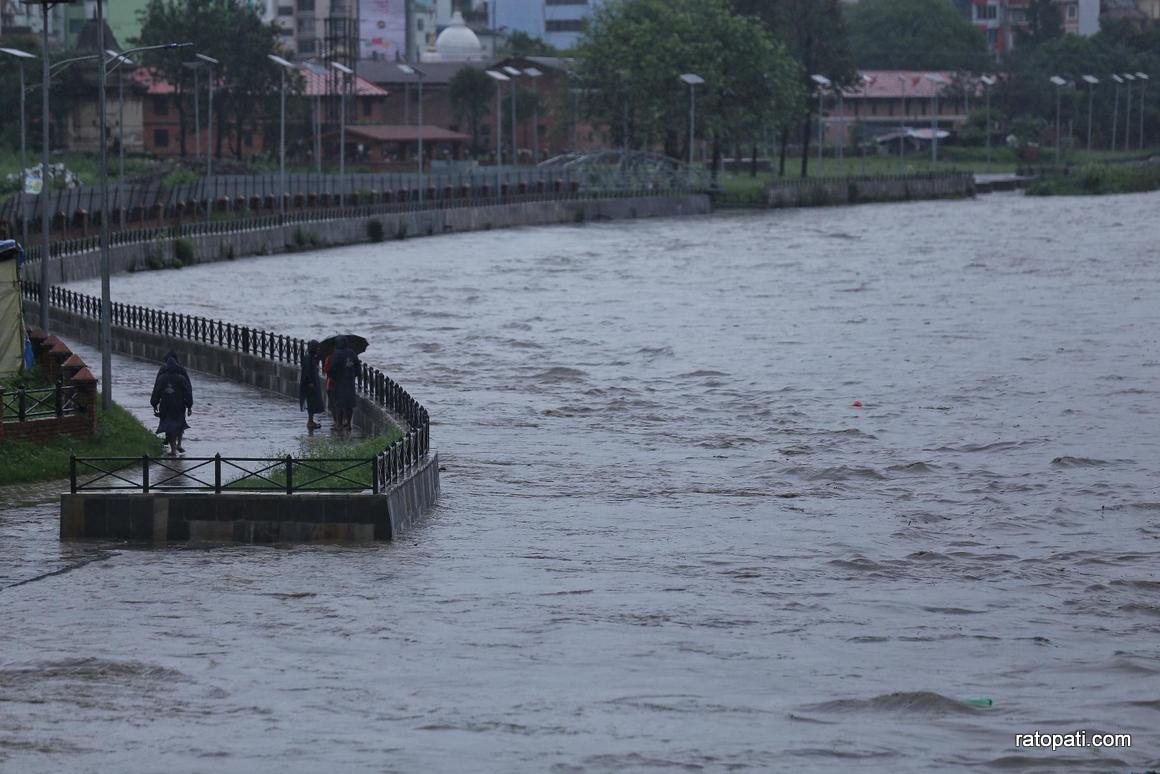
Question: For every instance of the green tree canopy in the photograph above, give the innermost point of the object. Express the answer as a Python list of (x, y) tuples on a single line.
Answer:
[(230, 31), (1044, 23), (632, 55), (469, 91), (915, 35), (520, 43)]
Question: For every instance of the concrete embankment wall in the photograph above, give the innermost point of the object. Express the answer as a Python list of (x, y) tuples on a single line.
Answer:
[(836, 191), (351, 230)]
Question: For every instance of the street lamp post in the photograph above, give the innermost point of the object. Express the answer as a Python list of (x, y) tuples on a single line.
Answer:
[(1091, 81), (1059, 84), (1143, 77), (823, 83), (534, 73), (499, 78), (118, 58), (1116, 111), (346, 72), (514, 73), (1128, 110), (694, 81), (938, 81), (20, 57), (211, 63), (420, 75), (283, 66), (988, 82)]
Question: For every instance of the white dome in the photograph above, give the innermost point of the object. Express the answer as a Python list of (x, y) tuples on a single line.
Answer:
[(457, 41)]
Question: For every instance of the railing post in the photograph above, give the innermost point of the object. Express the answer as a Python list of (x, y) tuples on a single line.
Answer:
[(21, 408), (374, 475), (289, 474), (72, 473), (58, 395), (145, 474)]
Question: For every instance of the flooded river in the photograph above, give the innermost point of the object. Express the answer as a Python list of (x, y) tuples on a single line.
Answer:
[(668, 540)]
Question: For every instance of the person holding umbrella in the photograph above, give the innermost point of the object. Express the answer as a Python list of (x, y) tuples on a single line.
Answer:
[(344, 368), (310, 386)]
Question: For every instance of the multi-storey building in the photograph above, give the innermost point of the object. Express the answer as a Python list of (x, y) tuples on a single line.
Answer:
[(1003, 20), (557, 22)]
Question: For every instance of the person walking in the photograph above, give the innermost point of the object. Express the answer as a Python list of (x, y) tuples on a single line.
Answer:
[(310, 386), (344, 365), (172, 402)]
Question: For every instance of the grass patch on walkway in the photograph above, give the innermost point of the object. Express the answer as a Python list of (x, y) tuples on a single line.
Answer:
[(352, 471), (1097, 180), (119, 434)]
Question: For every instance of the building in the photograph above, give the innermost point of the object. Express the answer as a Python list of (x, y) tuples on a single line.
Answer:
[(1003, 20), (897, 100), (556, 22)]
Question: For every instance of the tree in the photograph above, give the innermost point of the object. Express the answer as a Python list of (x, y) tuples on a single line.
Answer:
[(1044, 23), (915, 35), (469, 92), (815, 33), (633, 52), (520, 43), (232, 32)]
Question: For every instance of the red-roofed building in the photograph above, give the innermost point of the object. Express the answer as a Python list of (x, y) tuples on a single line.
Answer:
[(893, 99), (163, 124)]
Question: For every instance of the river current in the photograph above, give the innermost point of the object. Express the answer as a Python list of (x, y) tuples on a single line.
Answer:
[(668, 539)]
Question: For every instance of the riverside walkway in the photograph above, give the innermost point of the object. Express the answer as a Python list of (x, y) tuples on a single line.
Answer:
[(245, 420)]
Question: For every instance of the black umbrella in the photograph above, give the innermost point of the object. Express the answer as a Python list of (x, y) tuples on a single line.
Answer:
[(326, 346)]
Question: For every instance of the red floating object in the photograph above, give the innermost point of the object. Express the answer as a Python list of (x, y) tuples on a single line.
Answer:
[(857, 404)]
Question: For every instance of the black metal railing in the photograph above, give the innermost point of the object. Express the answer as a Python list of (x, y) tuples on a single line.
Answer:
[(22, 405), (390, 465), (219, 474)]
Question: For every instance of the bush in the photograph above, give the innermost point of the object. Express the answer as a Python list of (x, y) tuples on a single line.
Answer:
[(375, 230), (182, 252), (180, 177)]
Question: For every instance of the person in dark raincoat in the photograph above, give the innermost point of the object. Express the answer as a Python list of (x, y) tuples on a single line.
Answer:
[(310, 386), (344, 365), (172, 401)]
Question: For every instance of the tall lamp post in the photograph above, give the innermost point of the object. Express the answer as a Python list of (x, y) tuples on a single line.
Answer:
[(283, 66), (693, 80), (514, 73), (20, 57), (420, 75), (499, 78), (346, 73), (534, 73), (1059, 84), (1116, 110), (1143, 77), (120, 59), (1091, 81), (823, 83), (1128, 110), (938, 81), (210, 64), (988, 82)]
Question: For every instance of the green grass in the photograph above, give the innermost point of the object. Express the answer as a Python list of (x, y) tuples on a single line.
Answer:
[(327, 448), (30, 379), (1096, 180), (119, 434)]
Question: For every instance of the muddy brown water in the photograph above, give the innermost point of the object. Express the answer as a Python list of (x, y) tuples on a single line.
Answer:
[(667, 540)]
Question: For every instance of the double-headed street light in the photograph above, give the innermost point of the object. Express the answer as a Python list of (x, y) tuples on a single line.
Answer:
[(420, 75), (20, 57), (514, 73), (347, 73), (1116, 110), (693, 80), (938, 81), (988, 82), (1059, 84), (823, 83), (1143, 78), (534, 73), (1091, 81), (499, 79), (283, 66), (211, 64), (1129, 77)]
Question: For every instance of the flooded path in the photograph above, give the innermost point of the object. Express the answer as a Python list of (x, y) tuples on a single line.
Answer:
[(667, 540)]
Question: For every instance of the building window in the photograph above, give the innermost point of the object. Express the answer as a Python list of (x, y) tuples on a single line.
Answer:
[(366, 103), (161, 138), (564, 25), (986, 12), (248, 139), (305, 5), (160, 106), (1072, 11), (419, 24), (285, 10), (306, 46)]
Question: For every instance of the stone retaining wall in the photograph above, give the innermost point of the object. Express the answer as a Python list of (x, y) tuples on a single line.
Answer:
[(836, 191), (141, 256)]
